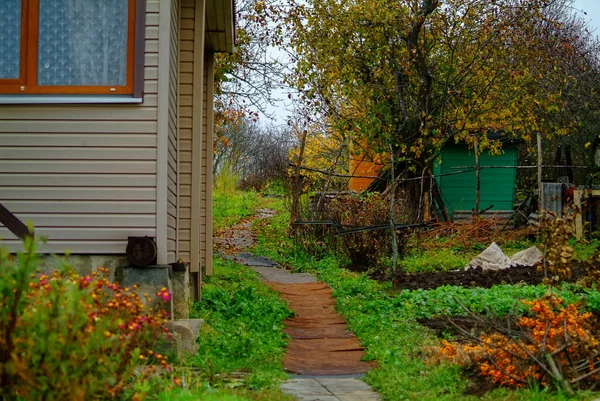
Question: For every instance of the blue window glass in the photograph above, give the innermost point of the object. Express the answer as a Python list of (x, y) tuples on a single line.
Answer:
[(10, 39), (83, 42)]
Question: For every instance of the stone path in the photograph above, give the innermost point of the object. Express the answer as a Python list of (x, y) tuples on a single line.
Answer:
[(321, 350), (329, 388)]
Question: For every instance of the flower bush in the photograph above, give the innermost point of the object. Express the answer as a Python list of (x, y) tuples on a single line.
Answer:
[(69, 337), (556, 344)]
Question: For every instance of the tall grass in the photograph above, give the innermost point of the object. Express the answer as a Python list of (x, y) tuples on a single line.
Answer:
[(227, 180), (230, 205)]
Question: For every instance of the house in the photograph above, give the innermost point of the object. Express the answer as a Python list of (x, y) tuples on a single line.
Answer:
[(106, 124)]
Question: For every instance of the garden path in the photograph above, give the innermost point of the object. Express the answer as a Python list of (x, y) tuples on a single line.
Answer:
[(323, 353)]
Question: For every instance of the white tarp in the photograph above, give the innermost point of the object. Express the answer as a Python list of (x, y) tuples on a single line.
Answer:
[(494, 259)]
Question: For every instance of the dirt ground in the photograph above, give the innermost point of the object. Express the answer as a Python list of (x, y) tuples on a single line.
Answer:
[(479, 278)]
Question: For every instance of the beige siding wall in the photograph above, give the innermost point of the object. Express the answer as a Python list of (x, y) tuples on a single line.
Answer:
[(206, 156), (186, 67), (173, 143), (85, 176)]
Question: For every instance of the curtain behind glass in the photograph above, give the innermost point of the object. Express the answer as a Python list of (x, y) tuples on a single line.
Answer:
[(10, 39), (83, 42)]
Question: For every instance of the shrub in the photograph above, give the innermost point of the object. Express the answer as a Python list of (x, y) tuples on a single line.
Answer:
[(556, 345), (68, 337), (365, 248)]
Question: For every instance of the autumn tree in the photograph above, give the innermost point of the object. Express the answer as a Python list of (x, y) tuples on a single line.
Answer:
[(245, 79), (415, 74)]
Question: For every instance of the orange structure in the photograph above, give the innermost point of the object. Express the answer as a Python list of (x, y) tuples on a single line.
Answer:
[(362, 165)]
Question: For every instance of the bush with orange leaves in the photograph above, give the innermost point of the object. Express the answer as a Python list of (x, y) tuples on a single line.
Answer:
[(556, 344)]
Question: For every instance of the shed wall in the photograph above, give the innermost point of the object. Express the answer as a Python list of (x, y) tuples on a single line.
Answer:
[(497, 185)]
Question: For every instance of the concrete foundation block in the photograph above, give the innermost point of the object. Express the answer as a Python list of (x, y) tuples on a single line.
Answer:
[(151, 280), (169, 345), (181, 294), (83, 264), (188, 331)]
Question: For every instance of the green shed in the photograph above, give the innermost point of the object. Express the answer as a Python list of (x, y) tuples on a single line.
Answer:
[(497, 184)]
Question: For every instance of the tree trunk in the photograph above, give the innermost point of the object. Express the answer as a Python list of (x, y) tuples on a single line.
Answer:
[(477, 180), (569, 162), (539, 172), (297, 184), (392, 219)]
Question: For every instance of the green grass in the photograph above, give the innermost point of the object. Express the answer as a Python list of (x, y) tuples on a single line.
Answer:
[(438, 260), (230, 208), (242, 327), (385, 322)]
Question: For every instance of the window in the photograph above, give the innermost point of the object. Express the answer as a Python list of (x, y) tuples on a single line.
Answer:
[(67, 47)]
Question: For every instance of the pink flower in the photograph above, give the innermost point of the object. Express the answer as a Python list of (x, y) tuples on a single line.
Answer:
[(164, 294)]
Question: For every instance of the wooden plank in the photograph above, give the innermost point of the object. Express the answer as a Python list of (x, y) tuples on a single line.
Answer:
[(79, 166), (90, 206), (578, 195), (85, 233), (152, 6), (73, 247), (151, 60), (78, 180), (12, 126), (66, 193), (151, 87), (13, 223), (151, 46), (152, 19), (79, 140), (151, 100), (89, 220), (152, 32), (151, 73), (79, 113), (208, 170), (62, 153)]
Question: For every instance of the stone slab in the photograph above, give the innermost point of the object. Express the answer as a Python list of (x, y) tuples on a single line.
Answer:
[(251, 260), (329, 388)]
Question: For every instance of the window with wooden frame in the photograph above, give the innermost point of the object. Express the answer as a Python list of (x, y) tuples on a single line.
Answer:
[(71, 47)]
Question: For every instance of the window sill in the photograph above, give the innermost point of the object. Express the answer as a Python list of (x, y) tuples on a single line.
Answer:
[(69, 99)]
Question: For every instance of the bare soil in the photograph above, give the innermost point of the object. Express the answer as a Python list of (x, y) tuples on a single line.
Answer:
[(478, 278)]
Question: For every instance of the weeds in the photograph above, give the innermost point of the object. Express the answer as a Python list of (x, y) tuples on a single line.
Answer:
[(230, 208), (242, 329)]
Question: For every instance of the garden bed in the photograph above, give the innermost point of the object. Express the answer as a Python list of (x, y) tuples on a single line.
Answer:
[(476, 277)]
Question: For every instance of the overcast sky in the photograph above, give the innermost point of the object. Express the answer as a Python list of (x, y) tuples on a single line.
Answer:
[(590, 7)]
